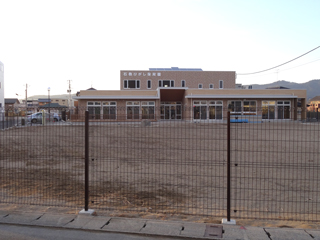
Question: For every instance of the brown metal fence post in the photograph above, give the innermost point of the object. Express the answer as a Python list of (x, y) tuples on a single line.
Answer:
[(86, 204), (228, 172)]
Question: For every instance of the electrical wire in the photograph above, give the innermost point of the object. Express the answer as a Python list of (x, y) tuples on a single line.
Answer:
[(289, 68), (278, 65)]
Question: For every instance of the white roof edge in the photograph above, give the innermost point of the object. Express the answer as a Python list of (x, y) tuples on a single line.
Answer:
[(240, 96), (116, 97), (173, 88)]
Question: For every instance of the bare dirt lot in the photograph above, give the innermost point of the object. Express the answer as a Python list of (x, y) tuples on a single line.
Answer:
[(175, 168)]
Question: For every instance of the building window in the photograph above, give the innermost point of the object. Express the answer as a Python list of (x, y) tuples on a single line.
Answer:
[(147, 109), (199, 109), (94, 109), (183, 83), (249, 107), (220, 84), (268, 109), (166, 83), (109, 110), (215, 110), (242, 107), (131, 84), (200, 86), (133, 109), (235, 107), (283, 109), (149, 84), (211, 86)]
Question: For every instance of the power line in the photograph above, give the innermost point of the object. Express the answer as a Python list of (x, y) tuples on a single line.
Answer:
[(289, 68), (278, 65)]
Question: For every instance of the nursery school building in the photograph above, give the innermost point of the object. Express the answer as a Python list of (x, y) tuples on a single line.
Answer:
[(188, 94)]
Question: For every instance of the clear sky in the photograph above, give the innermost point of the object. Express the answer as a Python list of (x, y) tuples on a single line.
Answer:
[(45, 43)]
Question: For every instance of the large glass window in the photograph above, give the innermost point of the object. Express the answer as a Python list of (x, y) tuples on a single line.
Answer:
[(200, 110), (283, 109), (246, 107), (94, 109), (166, 83), (147, 109), (268, 109), (170, 110), (215, 109), (133, 109), (135, 84), (235, 107), (109, 110), (249, 107)]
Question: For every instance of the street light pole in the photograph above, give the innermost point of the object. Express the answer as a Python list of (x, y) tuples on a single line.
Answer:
[(49, 101)]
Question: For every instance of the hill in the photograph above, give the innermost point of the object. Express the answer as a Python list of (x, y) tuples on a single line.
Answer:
[(312, 87)]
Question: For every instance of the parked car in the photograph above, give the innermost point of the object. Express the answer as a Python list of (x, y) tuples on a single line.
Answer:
[(37, 117)]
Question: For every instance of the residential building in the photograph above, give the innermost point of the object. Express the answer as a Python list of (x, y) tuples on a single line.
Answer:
[(11, 106), (44, 101), (11, 102), (187, 94), (314, 104)]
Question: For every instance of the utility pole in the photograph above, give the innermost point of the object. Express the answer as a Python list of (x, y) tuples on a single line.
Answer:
[(69, 91), (26, 99)]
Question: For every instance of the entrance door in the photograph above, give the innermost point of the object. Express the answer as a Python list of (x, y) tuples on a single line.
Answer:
[(171, 111)]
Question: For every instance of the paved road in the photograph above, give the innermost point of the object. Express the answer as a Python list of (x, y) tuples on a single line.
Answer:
[(16, 232)]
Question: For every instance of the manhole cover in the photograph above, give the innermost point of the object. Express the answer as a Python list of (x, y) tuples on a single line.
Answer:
[(213, 231)]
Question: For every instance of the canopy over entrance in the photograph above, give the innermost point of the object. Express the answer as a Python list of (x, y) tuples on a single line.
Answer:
[(171, 95)]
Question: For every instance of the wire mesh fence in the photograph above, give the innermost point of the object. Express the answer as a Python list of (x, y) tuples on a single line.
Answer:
[(162, 167), (42, 163), (146, 163), (275, 170)]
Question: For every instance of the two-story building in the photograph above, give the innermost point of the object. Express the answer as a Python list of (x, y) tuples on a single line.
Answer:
[(187, 94), (314, 104)]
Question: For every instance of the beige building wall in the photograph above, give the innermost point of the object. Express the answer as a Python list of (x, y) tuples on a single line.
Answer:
[(192, 78)]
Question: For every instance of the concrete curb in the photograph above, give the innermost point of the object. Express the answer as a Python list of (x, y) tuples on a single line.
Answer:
[(176, 229)]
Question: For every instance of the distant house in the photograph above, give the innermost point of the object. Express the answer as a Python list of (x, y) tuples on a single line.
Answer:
[(11, 105), (43, 101), (314, 104), (11, 102), (53, 107)]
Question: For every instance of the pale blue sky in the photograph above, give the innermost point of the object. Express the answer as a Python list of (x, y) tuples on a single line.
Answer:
[(45, 43)]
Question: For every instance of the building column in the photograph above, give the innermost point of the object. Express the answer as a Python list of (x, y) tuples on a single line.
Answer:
[(295, 109), (303, 109)]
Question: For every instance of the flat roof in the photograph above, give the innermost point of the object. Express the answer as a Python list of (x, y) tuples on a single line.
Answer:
[(117, 97), (175, 69), (240, 96)]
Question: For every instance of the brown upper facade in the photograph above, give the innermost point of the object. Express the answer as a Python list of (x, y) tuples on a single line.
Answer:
[(177, 78)]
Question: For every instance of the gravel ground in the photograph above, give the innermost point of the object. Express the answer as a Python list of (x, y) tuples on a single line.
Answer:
[(176, 168)]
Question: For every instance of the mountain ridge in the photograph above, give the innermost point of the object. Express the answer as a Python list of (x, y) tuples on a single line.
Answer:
[(312, 86)]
